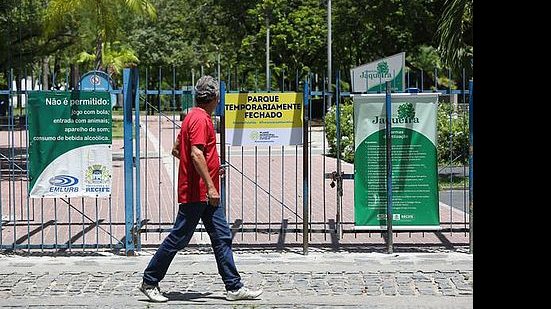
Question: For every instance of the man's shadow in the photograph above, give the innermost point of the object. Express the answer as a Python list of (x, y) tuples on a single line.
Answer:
[(190, 296)]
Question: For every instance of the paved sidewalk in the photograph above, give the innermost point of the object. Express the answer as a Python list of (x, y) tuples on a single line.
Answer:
[(289, 279)]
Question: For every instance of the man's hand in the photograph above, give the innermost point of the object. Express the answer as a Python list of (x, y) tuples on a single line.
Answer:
[(176, 148), (213, 198), (222, 170)]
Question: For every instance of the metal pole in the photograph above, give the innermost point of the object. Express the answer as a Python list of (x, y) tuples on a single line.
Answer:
[(221, 113), (305, 217), (422, 88), (339, 168), (159, 160), (267, 54), (329, 42), (388, 119), (283, 82), (128, 163), (11, 160), (137, 157), (192, 88), (471, 167), (255, 80), (218, 69)]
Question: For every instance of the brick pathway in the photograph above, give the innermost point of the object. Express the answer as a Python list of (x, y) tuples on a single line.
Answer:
[(289, 279)]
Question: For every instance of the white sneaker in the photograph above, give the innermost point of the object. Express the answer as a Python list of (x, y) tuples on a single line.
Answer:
[(153, 293), (243, 293)]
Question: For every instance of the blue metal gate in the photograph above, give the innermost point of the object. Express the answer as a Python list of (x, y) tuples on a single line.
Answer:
[(276, 197)]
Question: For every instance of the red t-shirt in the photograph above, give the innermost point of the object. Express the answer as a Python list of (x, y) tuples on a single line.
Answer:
[(197, 129)]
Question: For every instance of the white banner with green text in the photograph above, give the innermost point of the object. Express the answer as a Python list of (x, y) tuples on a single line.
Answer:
[(373, 76), (70, 137), (414, 162)]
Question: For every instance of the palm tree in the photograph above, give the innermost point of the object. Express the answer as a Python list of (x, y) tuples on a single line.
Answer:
[(116, 56), (101, 14), (455, 34)]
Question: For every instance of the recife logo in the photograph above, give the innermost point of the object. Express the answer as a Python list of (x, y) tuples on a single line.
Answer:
[(97, 174), (63, 183), (254, 135), (97, 179)]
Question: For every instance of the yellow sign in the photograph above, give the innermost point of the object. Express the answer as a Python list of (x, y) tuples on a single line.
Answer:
[(264, 118)]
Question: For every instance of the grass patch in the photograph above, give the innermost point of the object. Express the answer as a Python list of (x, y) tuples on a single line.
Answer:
[(120, 112), (445, 182), (117, 130)]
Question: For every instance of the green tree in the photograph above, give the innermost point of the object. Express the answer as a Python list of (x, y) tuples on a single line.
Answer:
[(455, 34), (297, 36), (101, 16), (21, 36), (372, 29), (175, 37)]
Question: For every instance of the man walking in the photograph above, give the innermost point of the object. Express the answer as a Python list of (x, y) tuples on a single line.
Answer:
[(199, 198)]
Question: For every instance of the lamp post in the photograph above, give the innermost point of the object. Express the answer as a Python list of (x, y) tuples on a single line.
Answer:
[(267, 51), (329, 41)]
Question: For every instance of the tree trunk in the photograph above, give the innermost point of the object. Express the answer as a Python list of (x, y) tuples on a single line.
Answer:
[(18, 88), (75, 76), (45, 72), (99, 52), (57, 72)]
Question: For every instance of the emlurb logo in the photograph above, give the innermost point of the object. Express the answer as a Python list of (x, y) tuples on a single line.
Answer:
[(97, 173), (63, 181), (382, 68), (406, 110)]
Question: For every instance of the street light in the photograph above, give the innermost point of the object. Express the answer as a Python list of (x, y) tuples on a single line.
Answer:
[(267, 50), (329, 41)]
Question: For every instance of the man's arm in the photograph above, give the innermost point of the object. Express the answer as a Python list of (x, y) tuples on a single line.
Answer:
[(200, 164), (176, 147)]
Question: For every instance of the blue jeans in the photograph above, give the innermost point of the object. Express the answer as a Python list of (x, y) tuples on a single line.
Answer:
[(217, 227)]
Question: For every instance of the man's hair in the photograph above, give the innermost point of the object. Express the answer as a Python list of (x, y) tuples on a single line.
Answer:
[(206, 89)]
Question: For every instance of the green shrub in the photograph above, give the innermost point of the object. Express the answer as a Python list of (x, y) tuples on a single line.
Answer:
[(456, 132), (347, 130)]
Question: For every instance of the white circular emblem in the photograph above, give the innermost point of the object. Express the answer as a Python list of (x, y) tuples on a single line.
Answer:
[(94, 79)]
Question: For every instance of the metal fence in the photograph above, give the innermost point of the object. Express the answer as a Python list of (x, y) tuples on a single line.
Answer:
[(46, 224), (265, 192)]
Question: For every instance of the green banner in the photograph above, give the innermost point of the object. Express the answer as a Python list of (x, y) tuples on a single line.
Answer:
[(70, 136), (414, 162)]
